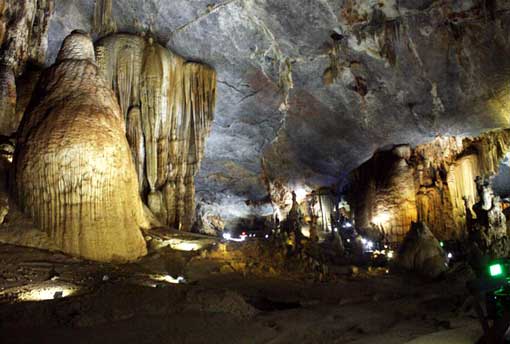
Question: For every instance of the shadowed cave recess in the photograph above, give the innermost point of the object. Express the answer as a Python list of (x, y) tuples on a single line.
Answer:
[(255, 171)]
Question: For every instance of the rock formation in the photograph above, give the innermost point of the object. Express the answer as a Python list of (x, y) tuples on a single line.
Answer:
[(23, 37), (168, 104), (417, 69), (432, 183), (103, 21), (421, 252), (488, 231), (386, 185), (74, 174)]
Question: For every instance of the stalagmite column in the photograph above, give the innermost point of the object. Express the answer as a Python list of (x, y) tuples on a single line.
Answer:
[(176, 102), (74, 170)]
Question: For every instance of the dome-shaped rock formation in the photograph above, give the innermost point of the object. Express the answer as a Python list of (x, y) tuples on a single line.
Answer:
[(421, 252), (74, 172)]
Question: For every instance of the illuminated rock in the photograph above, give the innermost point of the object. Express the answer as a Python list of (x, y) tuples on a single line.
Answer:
[(385, 193), (432, 183), (429, 68), (169, 105), (74, 173), (421, 252)]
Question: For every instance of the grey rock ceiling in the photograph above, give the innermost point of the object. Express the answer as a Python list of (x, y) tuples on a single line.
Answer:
[(408, 70)]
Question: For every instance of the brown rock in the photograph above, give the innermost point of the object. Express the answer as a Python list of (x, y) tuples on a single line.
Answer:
[(421, 252), (74, 172)]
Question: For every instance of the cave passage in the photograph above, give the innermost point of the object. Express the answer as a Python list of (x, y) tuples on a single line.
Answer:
[(254, 171)]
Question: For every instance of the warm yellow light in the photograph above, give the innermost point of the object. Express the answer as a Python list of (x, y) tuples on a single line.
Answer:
[(42, 291), (182, 244), (381, 219), (46, 294), (186, 246)]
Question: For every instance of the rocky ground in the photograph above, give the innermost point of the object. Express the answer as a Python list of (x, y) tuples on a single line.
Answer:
[(138, 303)]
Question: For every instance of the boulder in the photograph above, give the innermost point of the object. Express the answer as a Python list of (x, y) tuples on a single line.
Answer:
[(421, 252)]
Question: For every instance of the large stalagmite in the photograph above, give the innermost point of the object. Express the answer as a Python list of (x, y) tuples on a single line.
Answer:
[(74, 171), (169, 105)]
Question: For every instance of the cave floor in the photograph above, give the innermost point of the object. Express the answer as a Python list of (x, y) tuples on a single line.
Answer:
[(119, 303)]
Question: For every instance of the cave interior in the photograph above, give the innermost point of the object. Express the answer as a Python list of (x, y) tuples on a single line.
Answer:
[(255, 171)]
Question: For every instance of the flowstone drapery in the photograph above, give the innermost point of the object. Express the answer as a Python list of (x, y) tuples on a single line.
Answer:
[(168, 104), (433, 183), (74, 174)]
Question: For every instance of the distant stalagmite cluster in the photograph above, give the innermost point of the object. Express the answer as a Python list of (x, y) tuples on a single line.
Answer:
[(74, 174), (168, 105), (433, 183)]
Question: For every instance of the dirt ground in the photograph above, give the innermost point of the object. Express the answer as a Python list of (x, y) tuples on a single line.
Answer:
[(133, 304)]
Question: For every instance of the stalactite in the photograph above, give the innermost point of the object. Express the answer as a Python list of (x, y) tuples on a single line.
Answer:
[(285, 82), (176, 100), (331, 73), (120, 59), (135, 138), (125, 79), (150, 97), (74, 172), (390, 37), (435, 188), (103, 20)]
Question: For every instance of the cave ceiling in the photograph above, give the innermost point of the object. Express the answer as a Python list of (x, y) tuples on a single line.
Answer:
[(308, 90)]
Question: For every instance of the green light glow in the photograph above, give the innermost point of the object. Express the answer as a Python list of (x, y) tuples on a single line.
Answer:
[(496, 270)]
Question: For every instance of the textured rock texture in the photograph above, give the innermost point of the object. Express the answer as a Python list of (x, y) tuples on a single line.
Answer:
[(23, 37), (421, 252), (308, 90), (168, 105), (433, 183), (74, 174)]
